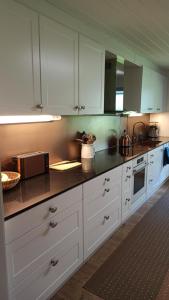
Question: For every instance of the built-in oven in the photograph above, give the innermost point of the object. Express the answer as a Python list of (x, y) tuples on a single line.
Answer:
[(139, 177)]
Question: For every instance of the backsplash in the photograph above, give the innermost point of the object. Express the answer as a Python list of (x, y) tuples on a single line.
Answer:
[(163, 122), (53, 136)]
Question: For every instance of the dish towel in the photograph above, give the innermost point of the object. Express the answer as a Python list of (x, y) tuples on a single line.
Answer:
[(166, 156)]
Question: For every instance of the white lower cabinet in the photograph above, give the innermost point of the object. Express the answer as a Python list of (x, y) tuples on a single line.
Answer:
[(127, 189), (39, 261), (47, 243), (102, 209), (155, 167)]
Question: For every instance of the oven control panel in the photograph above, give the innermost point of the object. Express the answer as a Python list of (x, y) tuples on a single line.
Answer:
[(141, 160)]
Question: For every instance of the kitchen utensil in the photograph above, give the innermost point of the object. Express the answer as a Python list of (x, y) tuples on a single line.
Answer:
[(65, 165)]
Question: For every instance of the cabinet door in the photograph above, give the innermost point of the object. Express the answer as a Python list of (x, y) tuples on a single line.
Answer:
[(91, 76), (148, 94), (155, 166), (19, 59), (59, 67), (127, 189), (154, 91), (161, 93)]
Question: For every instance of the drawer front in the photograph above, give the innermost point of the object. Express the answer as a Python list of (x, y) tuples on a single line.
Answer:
[(94, 205), (55, 267), (39, 214), (155, 154), (23, 254), (100, 226), (96, 187)]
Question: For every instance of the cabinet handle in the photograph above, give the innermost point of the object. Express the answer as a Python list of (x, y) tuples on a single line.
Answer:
[(151, 162), (152, 155), (106, 218), (39, 106), (107, 179), (53, 224), (150, 180), (149, 108), (76, 107), (82, 107), (128, 176), (52, 209), (107, 190), (158, 108), (54, 262), (128, 168)]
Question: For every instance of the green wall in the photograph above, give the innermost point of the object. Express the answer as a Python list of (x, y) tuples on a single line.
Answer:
[(102, 126)]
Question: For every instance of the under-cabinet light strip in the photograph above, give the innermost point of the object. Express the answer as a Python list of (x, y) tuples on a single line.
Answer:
[(28, 119)]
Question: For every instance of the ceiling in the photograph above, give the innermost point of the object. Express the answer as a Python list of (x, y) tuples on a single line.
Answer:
[(142, 25)]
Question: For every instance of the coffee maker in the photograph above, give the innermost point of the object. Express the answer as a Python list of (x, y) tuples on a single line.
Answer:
[(153, 130)]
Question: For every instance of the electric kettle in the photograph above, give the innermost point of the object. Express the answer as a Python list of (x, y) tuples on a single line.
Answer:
[(125, 140)]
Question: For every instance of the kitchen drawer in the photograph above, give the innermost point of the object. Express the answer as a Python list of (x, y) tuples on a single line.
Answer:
[(23, 254), (155, 154), (101, 226), (97, 186), (26, 221), (51, 271), (93, 205)]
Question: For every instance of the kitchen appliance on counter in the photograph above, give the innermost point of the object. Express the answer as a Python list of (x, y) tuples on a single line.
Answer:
[(31, 164), (153, 130), (125, 140), (139, 177)]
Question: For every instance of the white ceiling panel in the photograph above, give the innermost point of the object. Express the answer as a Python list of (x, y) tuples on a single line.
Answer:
[(143, 25)]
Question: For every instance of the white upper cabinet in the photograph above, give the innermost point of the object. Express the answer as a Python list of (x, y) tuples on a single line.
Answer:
[(19, 59), (59, 68), (91, 76), (145, 90), (154, 86)]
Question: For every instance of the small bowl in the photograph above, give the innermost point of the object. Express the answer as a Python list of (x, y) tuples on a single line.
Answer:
[(11, 180)]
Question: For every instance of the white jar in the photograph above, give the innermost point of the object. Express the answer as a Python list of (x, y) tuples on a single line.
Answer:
[(87, 151)]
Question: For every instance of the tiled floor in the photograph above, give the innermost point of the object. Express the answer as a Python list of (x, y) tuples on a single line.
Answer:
[(73, 289)]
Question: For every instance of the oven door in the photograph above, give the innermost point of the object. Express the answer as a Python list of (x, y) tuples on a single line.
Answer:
[(139, 181)]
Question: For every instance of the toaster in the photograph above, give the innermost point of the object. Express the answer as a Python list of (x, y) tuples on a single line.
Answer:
[(31, 164)]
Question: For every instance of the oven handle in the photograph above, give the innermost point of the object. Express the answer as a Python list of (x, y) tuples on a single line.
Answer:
[(138, 170)]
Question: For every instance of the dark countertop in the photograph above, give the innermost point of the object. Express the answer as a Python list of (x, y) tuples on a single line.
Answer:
[(31, 192)]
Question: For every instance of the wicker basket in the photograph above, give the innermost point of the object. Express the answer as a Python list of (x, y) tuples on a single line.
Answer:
[(11, 180)]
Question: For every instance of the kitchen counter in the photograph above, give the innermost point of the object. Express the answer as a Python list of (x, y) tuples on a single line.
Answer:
[(31, 192)]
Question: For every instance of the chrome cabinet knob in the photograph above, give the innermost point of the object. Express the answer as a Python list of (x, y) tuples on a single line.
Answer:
[(52, 209), (54, 262), (53, 224), (128, 199), (107, 179), (106, 218), (128, 176), (82, 107), (128, 168), (151, 162), (39, 106), (151, 180), (76, 107), (150, 108), (107, 190)]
